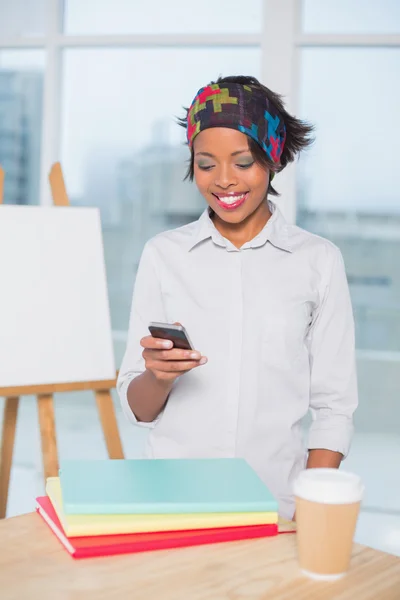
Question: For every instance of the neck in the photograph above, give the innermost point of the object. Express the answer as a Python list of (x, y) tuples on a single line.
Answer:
[(245, 231)]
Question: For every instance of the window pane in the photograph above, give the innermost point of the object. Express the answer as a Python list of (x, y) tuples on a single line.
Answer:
[(123, 151), (159, 16), (348, 191), (351, 16), (22, 17), (21, 91)]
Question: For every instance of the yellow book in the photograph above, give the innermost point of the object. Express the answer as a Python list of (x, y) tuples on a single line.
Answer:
[(82, 525)]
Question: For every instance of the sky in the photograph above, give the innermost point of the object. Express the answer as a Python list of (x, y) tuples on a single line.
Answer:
[(113, 100)]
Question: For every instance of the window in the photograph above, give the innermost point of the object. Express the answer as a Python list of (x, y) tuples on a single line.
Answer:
[(21, 94), (123, 151), (348, 191), (155, 17), (22, 17), (351, 16)]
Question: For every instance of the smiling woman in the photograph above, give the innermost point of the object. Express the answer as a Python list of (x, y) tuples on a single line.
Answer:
[(266, 304), (240, 136), (232, 182)]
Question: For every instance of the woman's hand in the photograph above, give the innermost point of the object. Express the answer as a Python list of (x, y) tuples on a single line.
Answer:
[(167, 363)]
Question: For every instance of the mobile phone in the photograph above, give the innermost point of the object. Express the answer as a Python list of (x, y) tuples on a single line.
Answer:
[(177, 334)]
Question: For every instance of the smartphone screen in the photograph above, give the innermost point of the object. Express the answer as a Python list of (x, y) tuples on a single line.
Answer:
[(177, 334)]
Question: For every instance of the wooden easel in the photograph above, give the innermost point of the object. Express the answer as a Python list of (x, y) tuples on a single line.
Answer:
[(44, 394)]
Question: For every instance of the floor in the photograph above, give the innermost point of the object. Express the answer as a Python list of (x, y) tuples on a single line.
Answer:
[(375, 457)]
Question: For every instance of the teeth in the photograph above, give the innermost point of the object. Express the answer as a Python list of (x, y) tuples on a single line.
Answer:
[(231, 199)]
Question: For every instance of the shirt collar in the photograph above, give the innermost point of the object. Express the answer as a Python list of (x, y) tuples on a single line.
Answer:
[(275, 232)]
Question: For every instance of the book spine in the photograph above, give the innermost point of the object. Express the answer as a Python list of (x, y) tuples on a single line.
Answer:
[(157, 509), (182, 542)]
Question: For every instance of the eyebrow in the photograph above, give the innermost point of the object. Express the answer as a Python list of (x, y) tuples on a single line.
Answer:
[(212, 155)]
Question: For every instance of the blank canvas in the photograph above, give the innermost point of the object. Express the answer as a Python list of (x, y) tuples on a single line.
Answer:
[(54, 311)]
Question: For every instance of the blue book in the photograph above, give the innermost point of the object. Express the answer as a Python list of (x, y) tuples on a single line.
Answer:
[(162, 486)]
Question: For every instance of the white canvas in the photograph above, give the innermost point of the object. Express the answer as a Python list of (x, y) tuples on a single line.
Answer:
[(54, 312)]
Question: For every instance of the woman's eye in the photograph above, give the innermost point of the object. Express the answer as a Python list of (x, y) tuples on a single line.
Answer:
[(205, 167), (245, 165)]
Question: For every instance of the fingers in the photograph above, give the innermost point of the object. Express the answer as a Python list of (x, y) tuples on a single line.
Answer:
[(173, 354), (178, 366), (158, 349), (167, 362), (173, 360), (155, 343)]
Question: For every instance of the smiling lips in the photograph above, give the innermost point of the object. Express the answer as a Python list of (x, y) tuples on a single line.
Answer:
[(231, 201)]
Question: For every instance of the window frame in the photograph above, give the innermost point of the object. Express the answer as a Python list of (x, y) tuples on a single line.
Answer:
[(280, 29)]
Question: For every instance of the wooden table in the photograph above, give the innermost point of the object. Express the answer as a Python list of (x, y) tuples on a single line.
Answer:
[(33, 565)]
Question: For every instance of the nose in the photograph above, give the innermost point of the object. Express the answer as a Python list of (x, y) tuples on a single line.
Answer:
[(225, 177)]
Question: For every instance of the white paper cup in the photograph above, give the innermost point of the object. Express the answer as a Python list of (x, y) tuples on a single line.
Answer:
[(327, 507)]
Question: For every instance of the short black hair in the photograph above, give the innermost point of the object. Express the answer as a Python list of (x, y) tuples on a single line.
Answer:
[(298, 133)]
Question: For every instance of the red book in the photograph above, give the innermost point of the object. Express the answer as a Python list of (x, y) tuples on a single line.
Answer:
[(106, 545)]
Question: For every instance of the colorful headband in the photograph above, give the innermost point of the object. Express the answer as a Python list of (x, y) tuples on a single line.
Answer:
[(240, 107)]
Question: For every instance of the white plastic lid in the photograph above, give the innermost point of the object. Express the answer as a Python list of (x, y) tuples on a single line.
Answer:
[(329, 486)]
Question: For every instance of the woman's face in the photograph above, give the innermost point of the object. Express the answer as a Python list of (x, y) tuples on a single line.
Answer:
[(233, 184)]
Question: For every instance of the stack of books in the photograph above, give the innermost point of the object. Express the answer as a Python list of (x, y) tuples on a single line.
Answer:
[(105, 507)]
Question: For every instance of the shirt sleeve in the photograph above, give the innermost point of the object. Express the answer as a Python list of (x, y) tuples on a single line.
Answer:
[(147, 305), (334, 395)]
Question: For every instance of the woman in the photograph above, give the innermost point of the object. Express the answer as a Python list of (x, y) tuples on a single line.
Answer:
[(265, 303)]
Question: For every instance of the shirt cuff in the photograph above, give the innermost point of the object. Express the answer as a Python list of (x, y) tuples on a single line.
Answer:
[(126, 409), (333, 434)]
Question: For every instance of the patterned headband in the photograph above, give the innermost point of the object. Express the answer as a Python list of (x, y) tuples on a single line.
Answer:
[(240, 107)]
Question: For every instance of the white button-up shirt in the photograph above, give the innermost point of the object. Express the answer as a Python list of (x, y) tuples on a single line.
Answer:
[(275, 320)]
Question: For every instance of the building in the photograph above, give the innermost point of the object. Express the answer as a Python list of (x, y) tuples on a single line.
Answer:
[(370, 244), (151, 196), (20, 135)]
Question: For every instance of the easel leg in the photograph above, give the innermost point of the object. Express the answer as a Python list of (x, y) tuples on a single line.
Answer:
[(7, 448), (48, 434), (109, 424)]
